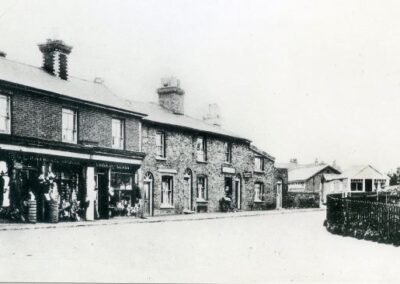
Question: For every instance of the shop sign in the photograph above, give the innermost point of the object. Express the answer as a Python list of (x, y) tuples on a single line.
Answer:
[(228, 170), (247, 174), (120, 167)]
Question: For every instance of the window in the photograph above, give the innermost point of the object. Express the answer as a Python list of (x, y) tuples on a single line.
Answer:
[(228, 152), (259, 163), (160, 144), (5, 114), (201, 149), (69, 125), (167, 198), (258, 192), (201, 188), (118, 131), (356, 185)]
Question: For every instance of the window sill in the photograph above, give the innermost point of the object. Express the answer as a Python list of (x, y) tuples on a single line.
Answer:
[(259, 172), (162, 159), (167, 206), (201, 162), (258, 201), (70, 142), (201, 200)]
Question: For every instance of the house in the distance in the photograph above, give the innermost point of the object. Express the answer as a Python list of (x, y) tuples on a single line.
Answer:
[(364, 178)]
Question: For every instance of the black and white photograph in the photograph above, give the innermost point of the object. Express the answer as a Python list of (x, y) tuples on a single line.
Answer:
[(199, 141)]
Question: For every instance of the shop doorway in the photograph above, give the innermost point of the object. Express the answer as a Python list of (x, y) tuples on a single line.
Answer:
[(102, 194), (148, 183), (188, 190), (238, 192), (368, 185)]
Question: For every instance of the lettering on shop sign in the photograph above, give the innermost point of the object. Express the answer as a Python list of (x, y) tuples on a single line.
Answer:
[(228, 170)]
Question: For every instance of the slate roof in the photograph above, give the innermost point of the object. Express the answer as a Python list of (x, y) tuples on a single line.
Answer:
[(78, 89), (98, 94), (305, 172)]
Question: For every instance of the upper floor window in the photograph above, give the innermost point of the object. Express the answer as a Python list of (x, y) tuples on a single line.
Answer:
[(202, 188), (201, 149), (69, 125), (5, 114), (118, 133), (228, 152), (160, 144), (259, 163), (258, 192)]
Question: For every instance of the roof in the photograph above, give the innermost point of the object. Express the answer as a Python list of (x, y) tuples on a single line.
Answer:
[(78, 89), (361, 172), (157, 114), (98, 93), (305, 172), (262, 153)]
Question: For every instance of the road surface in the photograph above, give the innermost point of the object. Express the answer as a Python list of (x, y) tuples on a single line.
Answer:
[(271, 248)]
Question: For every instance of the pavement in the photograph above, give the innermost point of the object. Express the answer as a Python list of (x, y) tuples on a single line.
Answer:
[(155, 219)]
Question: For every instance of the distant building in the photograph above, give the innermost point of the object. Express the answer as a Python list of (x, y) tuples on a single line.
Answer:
[(364, 178)]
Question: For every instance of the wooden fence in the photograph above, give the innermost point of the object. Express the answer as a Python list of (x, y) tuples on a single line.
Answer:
[(363, 219)]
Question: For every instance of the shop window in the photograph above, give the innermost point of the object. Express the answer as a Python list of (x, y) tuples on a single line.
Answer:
[(167, 191), (201, 149), (5, 117), (69, 125), (259, 163), (228, 152), (202, 188), (258, 192), (118, 133), (160, 144)]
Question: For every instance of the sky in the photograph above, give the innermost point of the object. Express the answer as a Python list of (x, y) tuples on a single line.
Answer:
[(302, 79)]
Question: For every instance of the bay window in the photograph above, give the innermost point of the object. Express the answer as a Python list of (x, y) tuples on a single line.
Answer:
[(69, 125)]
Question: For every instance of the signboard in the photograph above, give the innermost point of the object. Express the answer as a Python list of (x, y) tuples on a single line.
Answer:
[(228, 170), (247, 174)]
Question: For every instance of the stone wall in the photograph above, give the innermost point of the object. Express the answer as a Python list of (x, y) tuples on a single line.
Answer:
[(181, 155)]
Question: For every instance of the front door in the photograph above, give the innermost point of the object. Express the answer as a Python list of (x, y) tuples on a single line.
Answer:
[(102, 187), (148, 197), (368, 185), (238, 194), (279, 195)]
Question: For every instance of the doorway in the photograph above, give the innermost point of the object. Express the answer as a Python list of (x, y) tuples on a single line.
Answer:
[(148, 183), (368, 185), (228, 187), (238, 193), (102, 194), (187, 190)]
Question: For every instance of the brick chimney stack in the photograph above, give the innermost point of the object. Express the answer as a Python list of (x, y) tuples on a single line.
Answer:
[(55, 57), (213, 117), (171, 96)]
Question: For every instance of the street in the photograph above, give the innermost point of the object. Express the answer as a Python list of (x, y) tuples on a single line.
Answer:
[(271, 248)]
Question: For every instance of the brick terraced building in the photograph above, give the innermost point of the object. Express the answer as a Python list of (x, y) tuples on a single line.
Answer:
[(97, 147)]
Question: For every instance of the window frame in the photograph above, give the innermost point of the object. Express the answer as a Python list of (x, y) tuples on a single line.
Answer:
[(261, 159), (161, 134), (258, 194), (203, 151), (64, 110), (121, 145), (170, 197), (7, 116), (228, 152), (202, 195)]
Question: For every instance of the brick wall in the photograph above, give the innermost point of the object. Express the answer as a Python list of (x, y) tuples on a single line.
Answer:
[(180, 155), (37, 116)]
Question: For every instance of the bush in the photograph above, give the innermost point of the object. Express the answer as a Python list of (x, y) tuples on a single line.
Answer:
[(301, 200)]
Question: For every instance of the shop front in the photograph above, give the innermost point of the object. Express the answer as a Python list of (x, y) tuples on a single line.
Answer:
[(51, 185)]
